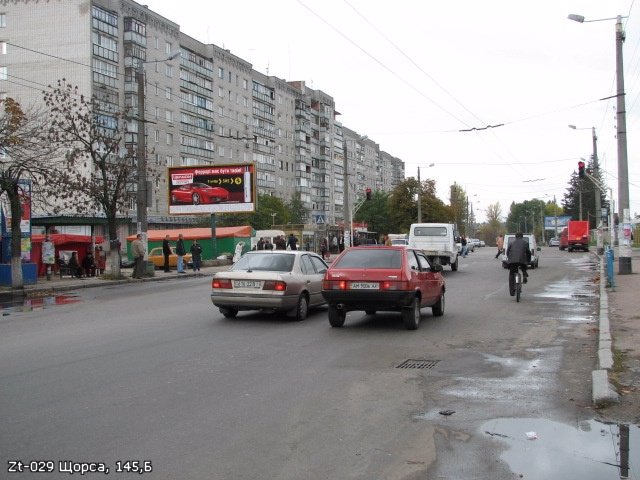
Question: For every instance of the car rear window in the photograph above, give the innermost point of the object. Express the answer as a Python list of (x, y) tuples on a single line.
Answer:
[(430, 231), (370, 258), (268, 262)]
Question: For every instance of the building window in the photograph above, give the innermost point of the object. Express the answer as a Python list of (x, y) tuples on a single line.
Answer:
[(169, 138), (221, 151), (3, 48), (169, 70), (167, 48), (167, 93), (169, 161), (156, 135), (169, 116), (3, 20), (220, 72), (3, 73)]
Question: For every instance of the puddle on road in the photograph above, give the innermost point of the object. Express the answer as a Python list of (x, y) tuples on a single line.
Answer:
[(591, 450), (36, 303)]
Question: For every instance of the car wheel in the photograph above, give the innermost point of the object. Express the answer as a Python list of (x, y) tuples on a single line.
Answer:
[(438, 308), (228, 312), (336, 317), (196, 199), (411, 315), (454, 265), (370, 312), (300, 312)]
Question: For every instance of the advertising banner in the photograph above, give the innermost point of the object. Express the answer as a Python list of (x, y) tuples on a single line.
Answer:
[(212, 189), (550, 222)]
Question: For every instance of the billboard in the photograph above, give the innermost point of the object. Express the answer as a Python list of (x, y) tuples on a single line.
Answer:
[(212, 189), (550, 222)]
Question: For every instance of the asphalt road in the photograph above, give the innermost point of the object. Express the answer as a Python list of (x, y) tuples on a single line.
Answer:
[(152, 372)]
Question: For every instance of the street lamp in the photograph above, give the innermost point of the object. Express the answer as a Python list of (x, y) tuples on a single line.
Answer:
[(624, 252), (273, 219), (420, 193), (143, 190), (596, 189)]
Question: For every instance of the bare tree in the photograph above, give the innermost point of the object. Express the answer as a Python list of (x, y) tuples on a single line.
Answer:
[(99, 172), (26, 166)]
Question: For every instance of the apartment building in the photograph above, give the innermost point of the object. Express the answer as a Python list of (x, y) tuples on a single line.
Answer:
[(203, 104)]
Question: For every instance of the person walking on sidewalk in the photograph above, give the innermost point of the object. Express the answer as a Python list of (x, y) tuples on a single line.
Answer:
[(137, 249), (180, 252), (499, 244), (166, 252), (196, 255)]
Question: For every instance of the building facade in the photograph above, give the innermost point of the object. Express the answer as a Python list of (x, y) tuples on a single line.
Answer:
[(202, 104)]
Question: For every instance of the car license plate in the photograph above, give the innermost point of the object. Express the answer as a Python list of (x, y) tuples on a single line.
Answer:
[(365, 286), (247, 284)]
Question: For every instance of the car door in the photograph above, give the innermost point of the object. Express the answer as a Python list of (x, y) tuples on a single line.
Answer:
[(313, 268), (430, 281)]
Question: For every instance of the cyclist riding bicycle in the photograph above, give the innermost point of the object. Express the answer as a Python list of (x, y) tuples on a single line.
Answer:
[(518, 255)]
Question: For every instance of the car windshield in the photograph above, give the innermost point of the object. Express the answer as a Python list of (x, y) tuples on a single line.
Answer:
[(370, 258), (268, 262)]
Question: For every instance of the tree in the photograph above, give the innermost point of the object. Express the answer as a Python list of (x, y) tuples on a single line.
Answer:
[(261, 219), (297, 211), (579, 200), (526, 217), (493, 226), (402, 202), (98, 173), (374, 212), (458, 202), (26, 169)]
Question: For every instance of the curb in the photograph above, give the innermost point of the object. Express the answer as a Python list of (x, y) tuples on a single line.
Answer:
[(602, 391)]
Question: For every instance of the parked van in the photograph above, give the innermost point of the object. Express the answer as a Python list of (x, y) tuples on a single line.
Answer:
[(533, 246), (437, 241)]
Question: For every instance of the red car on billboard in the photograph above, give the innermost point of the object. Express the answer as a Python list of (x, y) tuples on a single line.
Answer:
[(199, 193)]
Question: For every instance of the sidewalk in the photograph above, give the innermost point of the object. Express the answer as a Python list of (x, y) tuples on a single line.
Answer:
[(65, 284), (617, 382)]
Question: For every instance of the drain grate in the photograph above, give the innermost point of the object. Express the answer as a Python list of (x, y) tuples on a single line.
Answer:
[(413, 363)]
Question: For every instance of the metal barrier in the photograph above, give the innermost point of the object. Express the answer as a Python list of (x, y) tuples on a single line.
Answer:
[(610, 280)]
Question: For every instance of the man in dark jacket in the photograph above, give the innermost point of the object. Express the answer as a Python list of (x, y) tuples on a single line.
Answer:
[(180, 252), (518, 255), (166, 251)]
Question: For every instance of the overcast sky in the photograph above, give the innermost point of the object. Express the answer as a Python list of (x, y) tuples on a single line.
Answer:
[(411, 74)]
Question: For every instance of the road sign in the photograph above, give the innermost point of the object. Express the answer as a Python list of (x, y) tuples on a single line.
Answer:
[(319, 219)]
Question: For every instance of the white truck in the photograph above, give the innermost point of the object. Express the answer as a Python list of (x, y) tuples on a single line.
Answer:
[(437, 241)]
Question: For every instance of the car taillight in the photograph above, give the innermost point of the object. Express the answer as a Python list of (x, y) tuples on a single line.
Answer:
[(335, 285), (393, 285), (276, 285), (220, 283)]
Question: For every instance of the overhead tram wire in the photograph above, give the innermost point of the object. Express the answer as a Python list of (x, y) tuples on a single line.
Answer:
[(390, 70)]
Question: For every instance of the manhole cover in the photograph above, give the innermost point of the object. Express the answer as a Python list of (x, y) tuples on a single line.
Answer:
[(412, 363)]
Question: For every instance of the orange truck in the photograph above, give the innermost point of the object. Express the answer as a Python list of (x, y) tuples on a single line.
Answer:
[(578, 235)]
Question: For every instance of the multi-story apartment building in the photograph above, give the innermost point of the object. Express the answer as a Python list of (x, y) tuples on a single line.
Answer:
[(204, 106)]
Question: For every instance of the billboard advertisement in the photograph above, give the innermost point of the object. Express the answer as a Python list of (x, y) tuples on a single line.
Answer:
[(562, 221), (212, 189)]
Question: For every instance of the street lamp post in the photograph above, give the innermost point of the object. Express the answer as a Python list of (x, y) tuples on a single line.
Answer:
[(143, 190), (624, 249), (273, 219)]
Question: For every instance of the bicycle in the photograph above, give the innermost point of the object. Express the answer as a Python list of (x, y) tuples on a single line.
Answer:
[(515, 281)]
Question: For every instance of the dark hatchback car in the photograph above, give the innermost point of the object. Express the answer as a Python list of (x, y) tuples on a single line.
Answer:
[(380, 278)]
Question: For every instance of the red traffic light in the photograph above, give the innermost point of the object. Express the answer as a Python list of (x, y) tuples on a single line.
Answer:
[(368, 193), (581, 169)]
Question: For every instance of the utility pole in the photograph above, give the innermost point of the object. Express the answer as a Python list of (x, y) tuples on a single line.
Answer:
[(141, 193), (347, 208), (419, 198)]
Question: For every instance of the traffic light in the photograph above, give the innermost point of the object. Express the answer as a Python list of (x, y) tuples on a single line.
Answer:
[(368, 194), (581, 169)]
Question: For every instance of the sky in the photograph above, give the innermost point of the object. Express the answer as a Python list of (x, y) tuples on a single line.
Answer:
[(412, 74)]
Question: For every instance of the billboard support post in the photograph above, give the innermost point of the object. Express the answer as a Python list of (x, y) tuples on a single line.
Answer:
[(214, 241)]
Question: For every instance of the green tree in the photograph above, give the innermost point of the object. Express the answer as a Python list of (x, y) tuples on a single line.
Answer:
[(458, 202), (297, 211), (579, 199), (374, 212)]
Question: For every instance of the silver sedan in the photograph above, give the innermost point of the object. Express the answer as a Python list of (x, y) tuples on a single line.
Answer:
[(271, 280)]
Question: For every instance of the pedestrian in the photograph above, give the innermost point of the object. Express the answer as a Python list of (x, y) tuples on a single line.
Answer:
[(180, 252), (499, 244), (341, 243), (260, 245), (463, 242), (280, 243), (386, 241), (166, 252), (101, 260), (138, 251), (268, 245), (74, 265), (48, 256), (238, 252), (89, 265), (196, 255), (292, 242), (323, 248)]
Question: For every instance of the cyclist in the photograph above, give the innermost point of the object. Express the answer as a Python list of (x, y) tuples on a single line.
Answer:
[(518, 255)]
